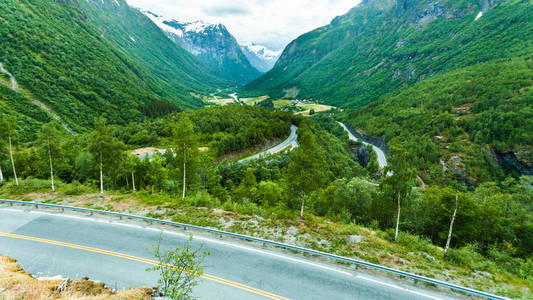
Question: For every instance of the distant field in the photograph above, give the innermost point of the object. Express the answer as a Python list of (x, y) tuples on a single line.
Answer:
[(253, 101), (218, 101), (316, 107), (282, 103), (302, 108)]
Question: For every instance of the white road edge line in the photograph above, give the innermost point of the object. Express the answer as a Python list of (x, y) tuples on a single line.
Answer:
[(235, 246), (198, 237), (398, 287)]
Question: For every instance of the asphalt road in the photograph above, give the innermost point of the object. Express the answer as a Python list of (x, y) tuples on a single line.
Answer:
[(292, 140), (49, 244), (382, 158)]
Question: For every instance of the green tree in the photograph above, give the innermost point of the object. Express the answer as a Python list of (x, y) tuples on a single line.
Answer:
[(248, 187), (179, 269), (8, 125), (49, 140), (398, 180), (305, 171), (130, 165), (104, 147), (186, 148)]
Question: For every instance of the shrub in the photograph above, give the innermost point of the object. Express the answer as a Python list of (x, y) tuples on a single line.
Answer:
[(76, 189)]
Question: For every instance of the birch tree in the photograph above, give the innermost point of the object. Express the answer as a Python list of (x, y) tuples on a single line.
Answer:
[(8, 125), (131, 163), (399, 184), (186, 149), (105, 147), (451, 224), (49, 138)]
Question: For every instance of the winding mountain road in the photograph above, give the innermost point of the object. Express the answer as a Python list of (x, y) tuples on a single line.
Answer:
[(291, 141), (382, 158), (117, 253)]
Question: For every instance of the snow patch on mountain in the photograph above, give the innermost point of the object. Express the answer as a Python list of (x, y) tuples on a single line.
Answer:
[(159, 21), (261, 57), (262, 51)]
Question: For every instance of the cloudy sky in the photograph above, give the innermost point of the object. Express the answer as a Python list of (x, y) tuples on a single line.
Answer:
[(273, 23)]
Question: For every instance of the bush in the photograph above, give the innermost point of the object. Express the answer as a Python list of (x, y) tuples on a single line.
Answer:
[(76, 189), (466, 256), (202, 199), (30, 185)]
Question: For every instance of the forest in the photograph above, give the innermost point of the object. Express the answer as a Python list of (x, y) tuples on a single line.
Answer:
[(463, 120), (319, 178)]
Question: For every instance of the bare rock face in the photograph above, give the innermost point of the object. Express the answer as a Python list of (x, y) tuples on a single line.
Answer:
[(520, 161), (212, 43)]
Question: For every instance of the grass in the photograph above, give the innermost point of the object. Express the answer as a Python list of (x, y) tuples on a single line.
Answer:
[(499, 273), (18, 284), (301, 108), (254, 101)]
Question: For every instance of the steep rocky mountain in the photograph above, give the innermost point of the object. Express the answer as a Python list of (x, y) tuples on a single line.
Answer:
[(261, 57), (381, 46), (179, 74), (212, 43)]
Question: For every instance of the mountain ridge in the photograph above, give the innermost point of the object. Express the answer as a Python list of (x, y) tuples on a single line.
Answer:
[(212, 43), (380, 47)]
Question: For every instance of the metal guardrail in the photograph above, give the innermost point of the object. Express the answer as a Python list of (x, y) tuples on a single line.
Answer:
[(267, 242)]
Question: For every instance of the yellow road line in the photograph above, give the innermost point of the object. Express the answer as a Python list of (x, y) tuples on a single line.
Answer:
[(142, 260)]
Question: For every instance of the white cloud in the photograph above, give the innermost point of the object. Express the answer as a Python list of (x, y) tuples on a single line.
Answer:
[(273, 23)]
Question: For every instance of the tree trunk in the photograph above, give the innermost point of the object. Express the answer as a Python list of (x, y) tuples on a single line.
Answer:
[(303, 204), (12, 161), (133, 180), (397, 219), (184, 171), (1, 175), (51, 166), (101, 174), (451, 224)]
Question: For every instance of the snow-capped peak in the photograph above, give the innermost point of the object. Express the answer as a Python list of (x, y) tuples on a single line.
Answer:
[(159, 21), (262, 51)]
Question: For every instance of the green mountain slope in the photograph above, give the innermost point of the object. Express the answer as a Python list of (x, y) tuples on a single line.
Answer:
[(473, 124), (179, 73), (381, 46), (59, 59)]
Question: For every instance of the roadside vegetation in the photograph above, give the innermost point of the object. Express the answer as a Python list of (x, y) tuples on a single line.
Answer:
[(315, 196)]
